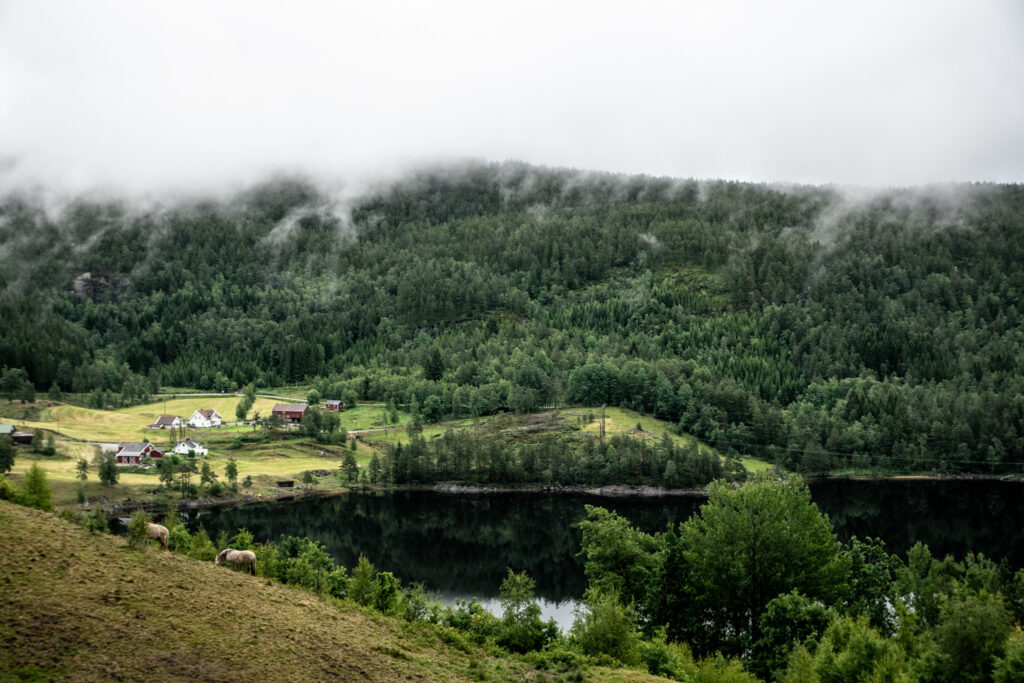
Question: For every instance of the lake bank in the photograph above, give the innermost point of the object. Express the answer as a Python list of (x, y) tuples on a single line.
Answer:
[(451, 489)]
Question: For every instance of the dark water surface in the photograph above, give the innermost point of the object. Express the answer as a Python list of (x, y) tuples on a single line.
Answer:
[(463, 545)]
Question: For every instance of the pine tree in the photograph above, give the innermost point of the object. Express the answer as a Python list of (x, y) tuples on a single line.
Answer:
[(35, 492)]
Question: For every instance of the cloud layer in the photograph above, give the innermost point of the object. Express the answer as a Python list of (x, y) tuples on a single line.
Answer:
[(191, 95)]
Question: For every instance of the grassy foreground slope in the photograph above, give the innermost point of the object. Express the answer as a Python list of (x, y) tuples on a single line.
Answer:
[(81, 607)]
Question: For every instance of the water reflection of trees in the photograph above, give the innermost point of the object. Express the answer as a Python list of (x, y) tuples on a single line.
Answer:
[(464, 544), (951, 517)]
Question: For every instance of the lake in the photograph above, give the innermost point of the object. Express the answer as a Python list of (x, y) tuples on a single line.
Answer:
[(463, 545)]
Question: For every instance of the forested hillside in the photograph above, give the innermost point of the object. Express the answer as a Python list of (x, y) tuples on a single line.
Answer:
[(796, 324)]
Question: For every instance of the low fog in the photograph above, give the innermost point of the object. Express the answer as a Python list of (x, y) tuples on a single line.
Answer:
[(192, 96)]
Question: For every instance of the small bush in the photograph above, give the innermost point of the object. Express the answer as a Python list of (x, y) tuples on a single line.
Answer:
[(415, 603), (386, 595), (179, 539), (305, 563), (671, 660), (521, 627), (607, 627), (362, 587), (718, 669), (202, 546), (138, 529), (558, 659), (266, 560), (96, 522), (470, 617), (454, 638), (242, 540), (8, 491)]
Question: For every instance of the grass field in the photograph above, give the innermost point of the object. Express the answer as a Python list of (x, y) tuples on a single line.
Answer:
[(266, 464), (620, 420), (396, 434), (127, 424), (85, 607), (63, 478), (370, 416)]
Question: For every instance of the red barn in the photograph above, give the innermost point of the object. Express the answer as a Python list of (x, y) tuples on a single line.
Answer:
[(290, 412), (132, 452), (334, 405)]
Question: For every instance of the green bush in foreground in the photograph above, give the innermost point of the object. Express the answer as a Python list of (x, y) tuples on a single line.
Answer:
[(521, 627), (138, 529), (34, 491), (604, 626)]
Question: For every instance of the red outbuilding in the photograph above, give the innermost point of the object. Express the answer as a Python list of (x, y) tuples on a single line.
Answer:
[(290, 412), (132, 452)]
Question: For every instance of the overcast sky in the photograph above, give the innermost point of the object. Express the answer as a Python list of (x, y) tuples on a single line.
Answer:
[(146, 96)]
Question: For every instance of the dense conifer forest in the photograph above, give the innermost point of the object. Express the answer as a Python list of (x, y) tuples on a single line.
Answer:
[(815, 327)]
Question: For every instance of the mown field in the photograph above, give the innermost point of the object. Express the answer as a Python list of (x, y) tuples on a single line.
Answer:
[(127, 424), (83, 607)]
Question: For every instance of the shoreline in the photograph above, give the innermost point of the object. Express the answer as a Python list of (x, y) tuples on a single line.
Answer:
[(1015, 478), (607, 491), (130, 505)]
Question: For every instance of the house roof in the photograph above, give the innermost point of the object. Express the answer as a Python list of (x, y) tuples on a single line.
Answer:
[(165, 420), (334, 402), (191, 443), (290, 407), (207, 413), (6, 429), (130, 448)]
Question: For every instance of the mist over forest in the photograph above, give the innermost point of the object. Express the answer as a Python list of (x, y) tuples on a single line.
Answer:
[(816, 327)]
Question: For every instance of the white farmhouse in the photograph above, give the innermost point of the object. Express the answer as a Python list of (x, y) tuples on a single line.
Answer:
[(189, 446), (205, 418)]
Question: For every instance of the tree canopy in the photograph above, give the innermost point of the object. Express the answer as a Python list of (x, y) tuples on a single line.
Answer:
[(794, 324)]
